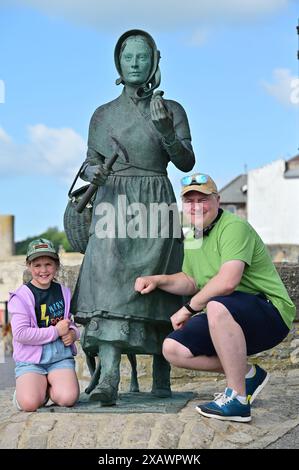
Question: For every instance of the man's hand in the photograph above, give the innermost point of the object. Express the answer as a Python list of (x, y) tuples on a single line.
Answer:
[(162, 118), (69, 338), (179, 318), (146, 284), (96, 174), (63, 327)]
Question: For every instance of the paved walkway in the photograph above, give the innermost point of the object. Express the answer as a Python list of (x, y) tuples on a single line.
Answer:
[(7, 376), (275, 423)]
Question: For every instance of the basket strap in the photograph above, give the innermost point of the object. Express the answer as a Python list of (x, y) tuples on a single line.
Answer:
[(74, 182)]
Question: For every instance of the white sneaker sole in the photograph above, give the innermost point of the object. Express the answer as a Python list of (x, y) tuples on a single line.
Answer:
[(17, 406), (15, 401), (259, 389), (240, 419)]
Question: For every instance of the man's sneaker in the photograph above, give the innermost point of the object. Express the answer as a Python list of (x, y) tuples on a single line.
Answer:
[(255, 384), (15, 402), (226, 407)]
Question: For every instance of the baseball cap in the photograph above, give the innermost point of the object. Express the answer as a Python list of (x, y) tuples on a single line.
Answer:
[(198, 182), (41, 247)]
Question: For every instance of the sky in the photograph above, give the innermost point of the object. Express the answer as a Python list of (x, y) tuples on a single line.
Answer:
[(232, 64)]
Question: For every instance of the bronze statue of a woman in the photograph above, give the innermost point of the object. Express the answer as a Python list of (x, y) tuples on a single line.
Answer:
[(153, 131)]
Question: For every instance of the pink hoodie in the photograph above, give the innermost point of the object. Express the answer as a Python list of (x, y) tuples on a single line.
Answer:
[(28, 338)]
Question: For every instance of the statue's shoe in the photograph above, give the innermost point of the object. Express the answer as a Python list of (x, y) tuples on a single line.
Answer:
[(162, 392), (105, 394)]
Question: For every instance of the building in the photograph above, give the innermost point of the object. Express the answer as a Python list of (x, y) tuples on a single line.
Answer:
[(233, 196), (269, 198), (272, 207), (273, 201)]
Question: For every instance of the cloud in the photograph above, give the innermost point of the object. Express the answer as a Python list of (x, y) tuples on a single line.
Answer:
[(4, 137), (51, 152), (199, 38), (284, 87), (166, 14)]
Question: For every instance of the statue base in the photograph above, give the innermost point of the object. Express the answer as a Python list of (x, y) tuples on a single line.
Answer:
[(133, 402)]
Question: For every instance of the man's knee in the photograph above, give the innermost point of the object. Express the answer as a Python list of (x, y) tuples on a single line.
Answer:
[(169, 349), (216, 312), (174, 352)]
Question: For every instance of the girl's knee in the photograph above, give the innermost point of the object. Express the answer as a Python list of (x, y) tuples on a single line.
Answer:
[(68, 401), (65, 397), (29, 403)]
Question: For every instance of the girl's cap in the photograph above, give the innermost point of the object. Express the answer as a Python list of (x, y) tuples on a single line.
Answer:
[(41, 247)]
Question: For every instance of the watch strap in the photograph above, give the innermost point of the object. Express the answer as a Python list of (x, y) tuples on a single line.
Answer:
[(190, 309)]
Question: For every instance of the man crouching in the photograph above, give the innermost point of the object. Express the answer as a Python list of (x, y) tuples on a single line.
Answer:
[(238, 304)]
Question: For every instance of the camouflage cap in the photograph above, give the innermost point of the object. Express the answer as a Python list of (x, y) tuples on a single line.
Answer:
[(41, 247)]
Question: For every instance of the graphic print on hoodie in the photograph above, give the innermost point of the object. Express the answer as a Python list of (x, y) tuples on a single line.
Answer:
[(49, 304)]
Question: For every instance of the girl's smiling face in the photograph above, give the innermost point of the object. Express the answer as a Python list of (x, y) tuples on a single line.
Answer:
[(43, 270)]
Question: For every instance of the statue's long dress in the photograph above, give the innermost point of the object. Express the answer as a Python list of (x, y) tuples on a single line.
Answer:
[(105, 287)]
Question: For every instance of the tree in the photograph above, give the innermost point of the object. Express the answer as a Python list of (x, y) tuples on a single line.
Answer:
[(52, 233)]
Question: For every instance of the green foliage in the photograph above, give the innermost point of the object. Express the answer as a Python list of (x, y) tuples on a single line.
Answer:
[(52, 233)]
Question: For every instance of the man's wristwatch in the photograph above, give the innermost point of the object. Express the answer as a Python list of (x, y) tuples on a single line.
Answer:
[(190, 309)]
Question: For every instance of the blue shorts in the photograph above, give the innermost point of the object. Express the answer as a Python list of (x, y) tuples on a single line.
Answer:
[(54, 356), (261, 322)]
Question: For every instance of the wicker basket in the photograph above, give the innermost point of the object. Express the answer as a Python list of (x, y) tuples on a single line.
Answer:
[(76, 226)]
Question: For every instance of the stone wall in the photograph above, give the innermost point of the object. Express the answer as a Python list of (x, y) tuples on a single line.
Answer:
[(289, 273), (11, 275)]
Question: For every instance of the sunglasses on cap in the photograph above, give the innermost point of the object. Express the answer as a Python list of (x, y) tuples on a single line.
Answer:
[(196, 179)]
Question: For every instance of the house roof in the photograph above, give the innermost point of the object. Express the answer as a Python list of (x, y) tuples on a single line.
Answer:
[(294, 160), (235, 192), (292, 173), (292, 168)]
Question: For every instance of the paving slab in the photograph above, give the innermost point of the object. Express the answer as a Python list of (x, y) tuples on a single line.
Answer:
[(275, 423), (138, 402)]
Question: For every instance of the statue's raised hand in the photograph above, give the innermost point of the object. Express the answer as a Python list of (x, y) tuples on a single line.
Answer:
[(96, 174), (162, 118)]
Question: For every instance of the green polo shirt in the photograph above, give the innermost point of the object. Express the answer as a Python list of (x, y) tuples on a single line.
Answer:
[(233, 238)]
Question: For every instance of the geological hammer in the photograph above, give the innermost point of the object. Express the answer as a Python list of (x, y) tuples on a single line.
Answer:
[(119, 150)]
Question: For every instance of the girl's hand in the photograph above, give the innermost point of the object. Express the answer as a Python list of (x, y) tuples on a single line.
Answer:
[(63, 327), (69, 338)]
